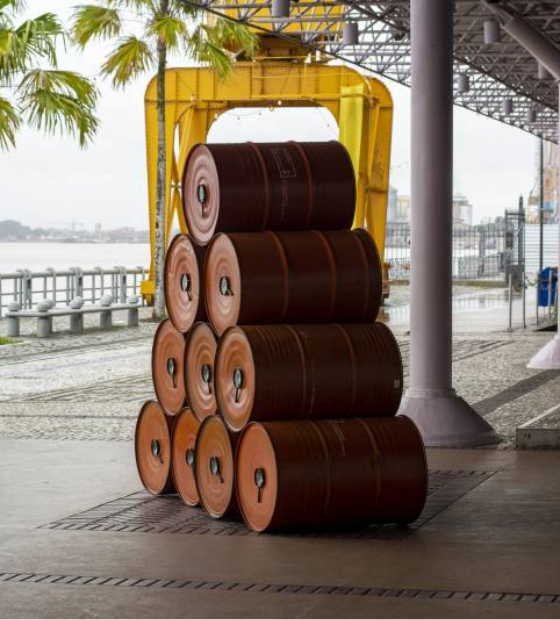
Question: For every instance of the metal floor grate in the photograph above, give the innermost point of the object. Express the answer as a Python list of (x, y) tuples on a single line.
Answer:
[(141, 512), (277, 588)]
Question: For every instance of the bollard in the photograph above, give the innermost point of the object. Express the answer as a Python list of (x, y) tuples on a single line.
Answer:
[(524, 296), (510, 302), (537, 296), (133, 312), (13, 325), (76, 323), (549, 292), (106, 320)]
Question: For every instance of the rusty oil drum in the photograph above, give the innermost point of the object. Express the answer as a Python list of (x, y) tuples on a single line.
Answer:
[(215, 468), (200, 356), (184, 262), (282, 372), (168, 372), (280, 186), (330, 473), (152, 446), (292, 277), (185, 431)]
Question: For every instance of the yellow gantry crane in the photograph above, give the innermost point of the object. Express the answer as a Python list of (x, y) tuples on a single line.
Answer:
[(282, 75)]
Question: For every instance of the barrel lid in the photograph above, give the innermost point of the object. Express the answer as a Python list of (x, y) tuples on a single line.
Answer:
[(256, 477), (214, 467), (201, 194), (183, 442), (200, 357), (152, 444), (182, 282), (235, 378), (222, 284), (168, 354)]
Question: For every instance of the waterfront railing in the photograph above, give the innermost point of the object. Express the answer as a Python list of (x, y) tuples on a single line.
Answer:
[(30, 287)]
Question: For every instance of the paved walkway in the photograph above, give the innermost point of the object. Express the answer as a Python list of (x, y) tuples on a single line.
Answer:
[(91, 386)]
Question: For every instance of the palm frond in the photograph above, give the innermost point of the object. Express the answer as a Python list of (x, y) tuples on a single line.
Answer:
[(131, 57), (22, 47), (149, 6), (9, 124), (14, 5), (184, 9), (205, 50), (59, 101), (93, 21), (233, 35), (170, 30), (39, 36)]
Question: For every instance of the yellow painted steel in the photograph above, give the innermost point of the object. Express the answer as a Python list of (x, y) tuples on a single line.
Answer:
[(195, 98)]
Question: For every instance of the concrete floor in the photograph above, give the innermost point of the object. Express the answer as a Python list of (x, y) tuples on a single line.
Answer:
[(498, 543), (486, 548)]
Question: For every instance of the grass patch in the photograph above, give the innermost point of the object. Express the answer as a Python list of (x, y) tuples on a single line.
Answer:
[(4, 340)]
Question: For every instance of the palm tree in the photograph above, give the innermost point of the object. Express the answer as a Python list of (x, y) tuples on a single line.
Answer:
[(146, 32), (32, 88)]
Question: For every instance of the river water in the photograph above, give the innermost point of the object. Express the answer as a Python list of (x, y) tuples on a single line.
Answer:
[(38, 256)]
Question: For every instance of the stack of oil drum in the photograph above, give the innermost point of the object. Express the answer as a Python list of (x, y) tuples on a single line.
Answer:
[(277, 389)]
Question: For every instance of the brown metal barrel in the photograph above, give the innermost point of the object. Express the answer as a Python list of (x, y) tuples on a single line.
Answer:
[(330, 473), (215, 468), (293, 277), (152, 445), (287, 372), (183, 281), (200, 356), (168, 372), (183, 442), (276, 186)]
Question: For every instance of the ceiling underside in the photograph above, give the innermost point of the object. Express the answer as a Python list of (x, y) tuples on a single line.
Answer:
[(497, 72)]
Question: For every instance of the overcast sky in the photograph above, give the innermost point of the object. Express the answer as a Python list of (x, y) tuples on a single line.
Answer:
[(52, 181)]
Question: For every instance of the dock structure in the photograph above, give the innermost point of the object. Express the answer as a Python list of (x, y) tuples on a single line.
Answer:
[(80, 538)]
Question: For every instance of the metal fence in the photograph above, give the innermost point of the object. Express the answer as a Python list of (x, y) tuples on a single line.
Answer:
[(28, 288), (479, 252)]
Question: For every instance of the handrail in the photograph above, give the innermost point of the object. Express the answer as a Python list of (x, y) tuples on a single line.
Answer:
[(29, 287)]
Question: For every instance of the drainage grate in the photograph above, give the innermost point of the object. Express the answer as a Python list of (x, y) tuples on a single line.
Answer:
[(277, 588), (141, 512)]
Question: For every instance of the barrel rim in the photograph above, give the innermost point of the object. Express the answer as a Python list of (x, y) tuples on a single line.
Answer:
[(163, 323), (203, 240), (222, 402), (177, 239), (200, 325), (168, 484), (215, 419), (242, 437), (183, 414), (208, 286)]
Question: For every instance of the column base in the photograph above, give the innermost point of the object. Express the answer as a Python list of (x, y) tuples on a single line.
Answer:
[(445, 420), (548, 358)]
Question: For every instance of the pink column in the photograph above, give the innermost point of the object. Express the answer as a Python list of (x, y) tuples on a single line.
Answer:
[(444, 418)]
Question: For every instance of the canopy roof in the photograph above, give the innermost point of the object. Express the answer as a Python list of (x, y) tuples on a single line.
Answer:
[(496, 72)]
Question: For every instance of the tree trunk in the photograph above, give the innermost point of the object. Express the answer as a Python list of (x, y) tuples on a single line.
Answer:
[(159, 259)]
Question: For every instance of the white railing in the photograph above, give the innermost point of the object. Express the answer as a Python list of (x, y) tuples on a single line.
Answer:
[(29, 287)]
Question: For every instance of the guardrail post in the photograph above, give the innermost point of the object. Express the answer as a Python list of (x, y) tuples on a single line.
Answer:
[(524, 294), (510, 301)]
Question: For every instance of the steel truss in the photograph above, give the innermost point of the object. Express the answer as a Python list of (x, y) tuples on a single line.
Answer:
[(496, 72)]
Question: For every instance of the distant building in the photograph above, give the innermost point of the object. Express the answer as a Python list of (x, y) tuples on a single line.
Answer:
[(398, 209), (392, 204), (403, 209), (462, 210)]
